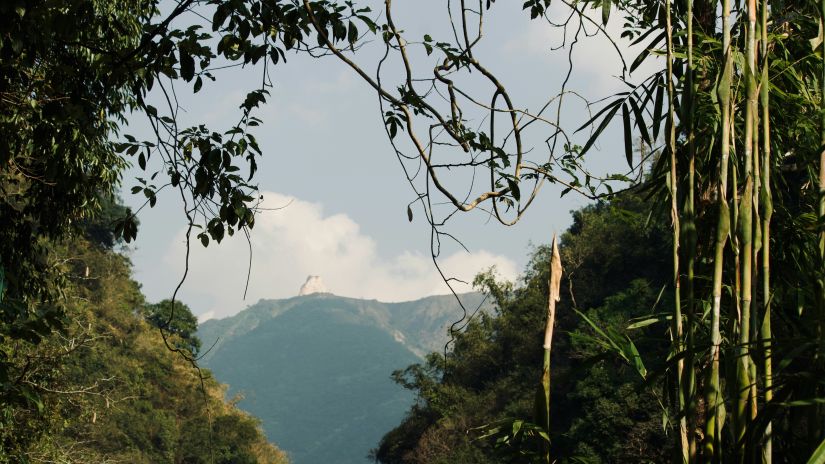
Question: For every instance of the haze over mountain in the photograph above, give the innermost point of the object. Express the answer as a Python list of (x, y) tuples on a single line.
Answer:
[(316, 368)]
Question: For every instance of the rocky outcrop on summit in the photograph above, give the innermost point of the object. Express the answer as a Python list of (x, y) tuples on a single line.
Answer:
[(313, 284)]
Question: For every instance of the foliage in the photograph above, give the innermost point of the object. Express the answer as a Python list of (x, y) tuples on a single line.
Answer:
[(106, 389), (178, 321), (600, 411), (740, 163)]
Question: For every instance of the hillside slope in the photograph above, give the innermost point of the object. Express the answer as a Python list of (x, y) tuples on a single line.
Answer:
[(106, 388), (316, 369)]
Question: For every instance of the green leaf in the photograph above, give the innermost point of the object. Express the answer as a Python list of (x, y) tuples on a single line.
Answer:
[(514, 190), (640, 121), (636, 358), (187, 66), (628, 135), (657, 107), (640, 323), (608, 117), (819, 454), (606, 4)]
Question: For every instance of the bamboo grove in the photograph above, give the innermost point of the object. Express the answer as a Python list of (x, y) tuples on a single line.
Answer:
[(742, 172)]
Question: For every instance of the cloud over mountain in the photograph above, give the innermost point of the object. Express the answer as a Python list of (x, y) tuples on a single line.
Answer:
[(293, 238)]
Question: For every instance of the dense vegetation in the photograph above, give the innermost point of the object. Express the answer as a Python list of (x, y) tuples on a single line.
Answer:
[(601, 410), (478, 404), (107, 389)]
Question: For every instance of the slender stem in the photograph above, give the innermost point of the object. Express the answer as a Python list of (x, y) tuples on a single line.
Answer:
[(765, 334), (743, 372), (820, 410), (674, 213), (822, 159), (753, 101), (690, 239), (713, 397)]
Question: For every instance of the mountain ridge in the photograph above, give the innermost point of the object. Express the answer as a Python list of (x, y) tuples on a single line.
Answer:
[(214, 332), (316, 369)]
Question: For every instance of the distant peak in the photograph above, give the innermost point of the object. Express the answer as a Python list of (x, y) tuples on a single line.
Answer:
[(313, 284)]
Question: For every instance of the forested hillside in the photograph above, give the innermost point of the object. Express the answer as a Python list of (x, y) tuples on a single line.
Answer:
[(106, 388), (316, 369), (609, 392), (600, 409)]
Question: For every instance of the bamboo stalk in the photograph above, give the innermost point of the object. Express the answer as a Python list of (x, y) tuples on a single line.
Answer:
[(713, 398), (765, 334), (743, 372), (820, 410), (690, 239), (674, 213), (753, 100), (735, 318), (822, 158)]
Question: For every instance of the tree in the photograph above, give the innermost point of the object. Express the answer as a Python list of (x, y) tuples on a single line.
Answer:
[(175, 318)]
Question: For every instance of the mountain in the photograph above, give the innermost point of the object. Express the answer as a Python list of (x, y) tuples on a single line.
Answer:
[(316, 368)]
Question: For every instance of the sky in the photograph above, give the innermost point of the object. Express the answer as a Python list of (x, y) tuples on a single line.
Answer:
[(335, 193)]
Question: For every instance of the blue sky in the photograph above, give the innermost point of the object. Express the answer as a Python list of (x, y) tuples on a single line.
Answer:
[(327, 157)]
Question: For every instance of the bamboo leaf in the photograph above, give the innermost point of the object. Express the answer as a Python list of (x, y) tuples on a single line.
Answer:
[(628, 135), (593, 119), (636, 358), (819, 454), (642, 56), (606, 4), (658, 104), (640, 323), (614, 108), (640, 121)]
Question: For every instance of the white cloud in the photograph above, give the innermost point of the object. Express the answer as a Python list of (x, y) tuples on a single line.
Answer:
[(290, 243)]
